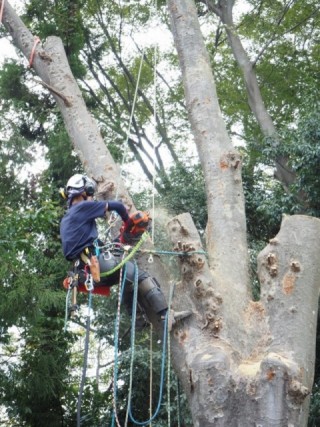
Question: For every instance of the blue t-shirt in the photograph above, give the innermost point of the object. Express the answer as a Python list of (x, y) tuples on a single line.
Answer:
[(78, 228)]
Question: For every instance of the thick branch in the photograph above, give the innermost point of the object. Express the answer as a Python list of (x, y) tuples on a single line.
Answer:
[(226, 228), (290, 284)]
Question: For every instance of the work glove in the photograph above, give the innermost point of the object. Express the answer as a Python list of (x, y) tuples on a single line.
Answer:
[(134, 227)]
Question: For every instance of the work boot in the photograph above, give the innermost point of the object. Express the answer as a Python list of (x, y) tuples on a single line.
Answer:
[(174, 317)]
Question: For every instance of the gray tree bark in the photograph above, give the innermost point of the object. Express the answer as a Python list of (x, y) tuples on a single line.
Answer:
[(51, 65), (224, 10), (262, 378), (242, 363)]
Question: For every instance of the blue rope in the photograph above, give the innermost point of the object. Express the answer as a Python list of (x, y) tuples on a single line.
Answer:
[(116, 342), (175, 252), (163, 361), (85, 361)]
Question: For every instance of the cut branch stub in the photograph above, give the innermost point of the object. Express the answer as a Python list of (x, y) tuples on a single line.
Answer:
[(195, 274)]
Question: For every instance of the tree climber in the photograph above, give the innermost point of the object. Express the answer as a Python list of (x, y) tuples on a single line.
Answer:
[(80, 244)]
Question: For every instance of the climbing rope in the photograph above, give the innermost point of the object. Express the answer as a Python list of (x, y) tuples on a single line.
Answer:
[(134, 309), (66, 309), (154, 11), (155, 60), (131, 254), (162, 374), (130, 120), (85, 361), (133, 334), (179, 402), (121, 287), (1, 10), (151, 374), (169, 361), (33, 50), (160, 252)]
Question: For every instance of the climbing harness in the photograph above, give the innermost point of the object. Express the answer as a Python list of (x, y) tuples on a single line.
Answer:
[(72, 281)]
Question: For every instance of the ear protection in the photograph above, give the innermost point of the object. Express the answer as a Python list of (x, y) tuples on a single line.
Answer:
[(63, 193), (78, 184), (89, 186)]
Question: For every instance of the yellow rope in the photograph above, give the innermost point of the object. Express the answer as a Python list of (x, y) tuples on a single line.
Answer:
[(128, 257), (114, 402), (151, 375)]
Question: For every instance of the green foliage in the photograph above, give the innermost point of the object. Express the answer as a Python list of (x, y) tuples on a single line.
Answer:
[(63, 161), (37, 384), (63, 19), (314, 414), (281, 43), (301, 147), (31, 300), (184, 192)]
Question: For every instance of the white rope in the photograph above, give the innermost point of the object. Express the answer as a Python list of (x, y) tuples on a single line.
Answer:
[(151, 375), (153, 186), (169, 360), (154, 144), (130, 120)]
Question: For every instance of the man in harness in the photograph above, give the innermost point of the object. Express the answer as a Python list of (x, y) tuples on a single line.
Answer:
[(79, 236)]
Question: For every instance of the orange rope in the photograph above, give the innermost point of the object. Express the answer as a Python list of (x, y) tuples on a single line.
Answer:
[(1, 10), (36, 41)]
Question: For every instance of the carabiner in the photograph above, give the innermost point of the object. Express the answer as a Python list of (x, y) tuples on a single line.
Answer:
[(88, 284), (107, 255)]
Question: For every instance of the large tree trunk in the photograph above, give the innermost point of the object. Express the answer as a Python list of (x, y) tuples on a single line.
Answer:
[(242, 363), (264, 378), (221, 164)]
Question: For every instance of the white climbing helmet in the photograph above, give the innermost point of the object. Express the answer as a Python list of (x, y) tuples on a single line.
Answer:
[(79, 184)]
